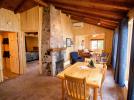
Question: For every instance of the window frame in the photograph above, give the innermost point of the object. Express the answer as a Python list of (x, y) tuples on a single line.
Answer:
[(97, 43)]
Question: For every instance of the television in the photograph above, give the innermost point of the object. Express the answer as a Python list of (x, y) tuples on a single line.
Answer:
[(5, 41)]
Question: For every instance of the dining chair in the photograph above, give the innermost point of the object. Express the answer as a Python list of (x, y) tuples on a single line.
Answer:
[(75, 88), (108, 59), (104, 70)]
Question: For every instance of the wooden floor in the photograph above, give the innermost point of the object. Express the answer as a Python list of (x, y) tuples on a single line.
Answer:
[(32, 86)]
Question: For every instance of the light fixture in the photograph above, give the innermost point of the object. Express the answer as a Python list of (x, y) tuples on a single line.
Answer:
[(94, 35), (98, 23)]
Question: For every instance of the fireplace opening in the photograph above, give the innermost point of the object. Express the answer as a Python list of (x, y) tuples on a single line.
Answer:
[(59, 66)]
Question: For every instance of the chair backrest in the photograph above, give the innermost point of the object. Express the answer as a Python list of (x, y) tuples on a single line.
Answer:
[(74, 55), (108, 58), (105, 57), (80, 52), (104, 70), (75, 87), (103, 54)]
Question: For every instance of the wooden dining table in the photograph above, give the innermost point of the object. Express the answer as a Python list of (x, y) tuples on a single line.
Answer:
[(93, 75)]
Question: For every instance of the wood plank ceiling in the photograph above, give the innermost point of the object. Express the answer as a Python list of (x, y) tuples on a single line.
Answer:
[(104, 13)]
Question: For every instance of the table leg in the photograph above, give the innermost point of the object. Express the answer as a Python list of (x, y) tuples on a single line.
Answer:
[(62, 89), (95, 93)]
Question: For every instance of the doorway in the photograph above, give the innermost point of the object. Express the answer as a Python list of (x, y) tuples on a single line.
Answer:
[(9, 55), (32, 51)]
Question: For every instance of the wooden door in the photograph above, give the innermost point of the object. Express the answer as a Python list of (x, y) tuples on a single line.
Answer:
[(1, 60), (14, 53)]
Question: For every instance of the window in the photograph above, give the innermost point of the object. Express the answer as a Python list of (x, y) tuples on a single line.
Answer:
[(97, 44)]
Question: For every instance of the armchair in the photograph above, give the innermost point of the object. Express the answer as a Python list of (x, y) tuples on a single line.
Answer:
[(74, 57)]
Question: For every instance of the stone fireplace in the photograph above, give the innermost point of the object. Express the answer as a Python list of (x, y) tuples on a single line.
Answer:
[(52, 39), (57, 61), (54, 61), (59, 66)]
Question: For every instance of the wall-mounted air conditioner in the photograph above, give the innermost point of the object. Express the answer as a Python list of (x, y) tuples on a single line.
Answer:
[(78, 24)]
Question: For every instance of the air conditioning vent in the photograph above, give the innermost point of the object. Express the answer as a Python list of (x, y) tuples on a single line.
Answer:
[(78, 24)]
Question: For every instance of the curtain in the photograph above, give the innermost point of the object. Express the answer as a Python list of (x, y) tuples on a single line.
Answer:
[(114, 47), (131, 71), (113, 44), (120, 66)]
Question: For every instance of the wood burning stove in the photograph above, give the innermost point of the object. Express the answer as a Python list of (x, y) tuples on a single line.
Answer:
[(59, 66)]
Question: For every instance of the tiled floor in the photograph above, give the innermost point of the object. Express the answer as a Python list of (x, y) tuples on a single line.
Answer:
[(9, 75), (33, 86)]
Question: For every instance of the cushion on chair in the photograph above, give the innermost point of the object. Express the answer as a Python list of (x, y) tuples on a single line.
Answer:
[(75, 57)]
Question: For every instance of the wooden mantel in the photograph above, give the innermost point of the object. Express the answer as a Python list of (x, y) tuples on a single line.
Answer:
[(57, 49)]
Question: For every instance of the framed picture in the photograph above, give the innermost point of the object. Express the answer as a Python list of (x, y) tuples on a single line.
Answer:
[(68, 42)]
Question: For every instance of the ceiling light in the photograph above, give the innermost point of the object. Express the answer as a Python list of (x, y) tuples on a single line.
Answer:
[(94, 35), (99, 23)]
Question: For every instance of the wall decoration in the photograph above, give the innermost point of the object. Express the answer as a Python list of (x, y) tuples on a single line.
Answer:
[(68, 42), (72, 43)]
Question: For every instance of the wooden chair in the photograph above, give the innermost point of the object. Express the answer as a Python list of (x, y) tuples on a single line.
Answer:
[(108, 59), (80, 52), (104, 70), (75, 88)]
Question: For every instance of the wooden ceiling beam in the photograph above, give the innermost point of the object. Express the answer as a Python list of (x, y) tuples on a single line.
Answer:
[(107, 20), (89, 8), (16, 10), (96, 12), (92, 22), (25, 5), (111, 20), (42, 3), (90, 14), (95, 19), (112, 5), (1, 3), (110, 24), (95, 22), (101, 22), (36, 2)]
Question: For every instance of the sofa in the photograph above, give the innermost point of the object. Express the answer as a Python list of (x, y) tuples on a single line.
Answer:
[(74, 57)]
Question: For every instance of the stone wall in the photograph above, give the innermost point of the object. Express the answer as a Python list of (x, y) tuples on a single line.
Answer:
[(56, 39), (45, 36), (56, 27)]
